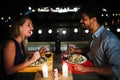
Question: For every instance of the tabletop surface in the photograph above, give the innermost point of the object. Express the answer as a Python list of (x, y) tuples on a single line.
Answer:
[(57, 63), (38, 76), (35, 68)]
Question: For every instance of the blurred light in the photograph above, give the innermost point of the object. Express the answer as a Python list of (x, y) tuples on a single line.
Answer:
[(75, 30), (50, 31), (106, 23), (2, 18), (64, 32), (86, 31), (6, 21), (45, 9), (10, 25), (31, 32), (58, 30), (64, 10), (33, 10), (59, 10), (118, 29), (102, 14), (113, 14), (118, 21), (21, 13), (106, 14), (29, 8), (112, 22), (9, 17), (39, 31), (105, 10), (26, 13), (108, 29)]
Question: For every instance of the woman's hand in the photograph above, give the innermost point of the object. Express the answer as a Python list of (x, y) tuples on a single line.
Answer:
[(42, 49), (35, 57)]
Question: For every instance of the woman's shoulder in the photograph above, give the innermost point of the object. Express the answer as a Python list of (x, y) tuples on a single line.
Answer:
[(8, 42)]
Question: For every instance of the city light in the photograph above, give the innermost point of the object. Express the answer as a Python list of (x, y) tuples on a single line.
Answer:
[(39, 31), (50, 31), (75, 30)]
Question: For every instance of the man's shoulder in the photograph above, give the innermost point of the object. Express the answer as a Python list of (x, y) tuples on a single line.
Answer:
[(108, 34)]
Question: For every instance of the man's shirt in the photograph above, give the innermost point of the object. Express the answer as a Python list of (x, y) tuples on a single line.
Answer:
[(105, 50)]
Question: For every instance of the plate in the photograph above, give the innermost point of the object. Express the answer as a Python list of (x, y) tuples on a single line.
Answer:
[(76, 59), (40, 61)]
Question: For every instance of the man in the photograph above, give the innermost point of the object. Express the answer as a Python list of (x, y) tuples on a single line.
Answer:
[(104, 47)]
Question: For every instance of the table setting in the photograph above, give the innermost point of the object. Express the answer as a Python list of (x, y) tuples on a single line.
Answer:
[(52, 75), (43, 69), (55, 74), (58, 67), (75, 58), (45, 59)]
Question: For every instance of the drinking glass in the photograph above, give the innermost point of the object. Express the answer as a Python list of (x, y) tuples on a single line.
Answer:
[(48, 54)]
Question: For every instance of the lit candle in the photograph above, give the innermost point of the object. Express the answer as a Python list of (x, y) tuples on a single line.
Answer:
[(65, 69), (45, 70)]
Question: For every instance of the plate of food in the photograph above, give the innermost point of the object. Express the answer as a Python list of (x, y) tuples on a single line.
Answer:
[(76, 59), (40, 61)]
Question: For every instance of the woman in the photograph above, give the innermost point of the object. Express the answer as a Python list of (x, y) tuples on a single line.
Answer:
[(13, 51)]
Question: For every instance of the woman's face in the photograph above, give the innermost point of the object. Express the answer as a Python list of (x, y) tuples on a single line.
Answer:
[(27, 28)]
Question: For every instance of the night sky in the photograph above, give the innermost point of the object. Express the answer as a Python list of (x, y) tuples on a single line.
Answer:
[(14, 7), (10, 7)]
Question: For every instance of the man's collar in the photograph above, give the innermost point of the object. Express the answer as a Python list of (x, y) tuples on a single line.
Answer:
[(98, 32)]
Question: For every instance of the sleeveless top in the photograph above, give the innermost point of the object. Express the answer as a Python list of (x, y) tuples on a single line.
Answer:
[(19, 58)]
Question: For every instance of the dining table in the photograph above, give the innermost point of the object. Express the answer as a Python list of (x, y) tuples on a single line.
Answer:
[(54, 62), (38, 67)]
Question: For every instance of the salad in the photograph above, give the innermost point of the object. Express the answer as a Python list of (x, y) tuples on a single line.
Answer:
[(76, 58)]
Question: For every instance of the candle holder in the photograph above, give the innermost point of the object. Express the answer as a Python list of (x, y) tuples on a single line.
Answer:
[(65, 70), (45, 70)]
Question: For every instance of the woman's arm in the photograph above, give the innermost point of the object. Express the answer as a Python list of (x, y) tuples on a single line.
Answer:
[(41, 50), (9, 57)]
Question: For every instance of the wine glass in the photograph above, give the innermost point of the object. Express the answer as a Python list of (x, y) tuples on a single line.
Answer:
[(48, 54)]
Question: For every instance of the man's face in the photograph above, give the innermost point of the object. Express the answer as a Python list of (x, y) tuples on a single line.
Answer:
[(85, 21)]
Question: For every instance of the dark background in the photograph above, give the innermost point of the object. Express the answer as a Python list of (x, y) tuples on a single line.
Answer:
[(10, 7), (54, 21)]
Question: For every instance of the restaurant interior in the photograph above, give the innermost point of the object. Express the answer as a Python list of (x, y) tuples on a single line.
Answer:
[(57, 25)]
